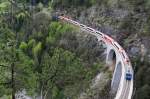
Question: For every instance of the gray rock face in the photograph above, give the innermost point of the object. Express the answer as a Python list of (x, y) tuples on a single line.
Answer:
[(139, 48), (134, 50), (22, 95), (96, 88)]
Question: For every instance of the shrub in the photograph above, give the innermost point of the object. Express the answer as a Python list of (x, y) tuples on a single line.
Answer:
[(23, 46)]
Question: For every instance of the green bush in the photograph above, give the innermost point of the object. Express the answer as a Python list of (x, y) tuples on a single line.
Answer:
[(146, 31), (69, 3), (4, 6), (31, 43), (50, 40), (23, 46), (37, 49)]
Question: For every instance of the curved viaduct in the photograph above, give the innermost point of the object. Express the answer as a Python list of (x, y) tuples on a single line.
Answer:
[(115, 55)]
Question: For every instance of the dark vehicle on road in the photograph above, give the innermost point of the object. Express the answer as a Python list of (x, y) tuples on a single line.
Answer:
[(128, 75)]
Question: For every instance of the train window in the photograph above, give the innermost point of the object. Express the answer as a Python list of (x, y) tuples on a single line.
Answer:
[(116, 45), (99, 33), (70, 20), (123, 55), (81, 25), (75, 22), (90, 29)]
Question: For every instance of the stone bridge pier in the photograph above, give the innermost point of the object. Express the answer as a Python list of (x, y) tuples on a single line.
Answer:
[(113, 60)]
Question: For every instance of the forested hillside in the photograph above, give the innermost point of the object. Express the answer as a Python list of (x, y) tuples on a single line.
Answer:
[(48, 59), (44, 58)]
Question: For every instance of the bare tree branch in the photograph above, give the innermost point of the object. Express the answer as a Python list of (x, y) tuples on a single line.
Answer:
[(5, 83), (3, 65)]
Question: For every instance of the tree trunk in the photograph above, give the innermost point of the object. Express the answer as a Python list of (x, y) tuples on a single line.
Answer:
[(42, 92), (12, 80)]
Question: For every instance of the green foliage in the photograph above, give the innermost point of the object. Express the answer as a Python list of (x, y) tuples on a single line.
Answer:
[(55, 92), (25, 76), (41, 66), (31, 43), (40, 6), (21, 18), (56, 29), (142, 81), (90, 2), (6, 97), (22, 1), (68, 3), (37, 49), (4, 90), (147, 4), (50, 40), (39, 36), (140, 5), (21, 15), (23, 46), (7, 39), (64, 71), (146, 29), (143, 93), (4, 6), (6, 34)]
